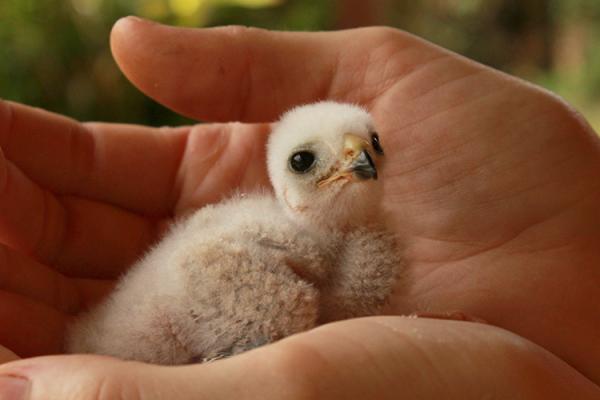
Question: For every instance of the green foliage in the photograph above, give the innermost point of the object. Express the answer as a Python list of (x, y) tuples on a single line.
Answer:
[(55, 54), (59, 59), (306, 15)]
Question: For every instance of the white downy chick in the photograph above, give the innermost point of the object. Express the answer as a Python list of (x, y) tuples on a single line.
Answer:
[(256, 268)]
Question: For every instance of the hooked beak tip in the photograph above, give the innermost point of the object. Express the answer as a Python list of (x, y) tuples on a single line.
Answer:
[(363, 166)]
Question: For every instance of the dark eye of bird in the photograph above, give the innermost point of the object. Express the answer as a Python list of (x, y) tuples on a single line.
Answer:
[(376, 144), (302, 161)]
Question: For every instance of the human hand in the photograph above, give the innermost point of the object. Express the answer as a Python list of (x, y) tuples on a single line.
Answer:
[(6, 355), (367, 358), (479, 176)]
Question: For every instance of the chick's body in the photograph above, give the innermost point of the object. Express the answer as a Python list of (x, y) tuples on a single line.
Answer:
[(239, 274)]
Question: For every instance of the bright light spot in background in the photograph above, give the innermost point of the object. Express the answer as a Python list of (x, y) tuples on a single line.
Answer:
[(86, 7), (250, 3), (185, 8), (198, 10), (192, 11)]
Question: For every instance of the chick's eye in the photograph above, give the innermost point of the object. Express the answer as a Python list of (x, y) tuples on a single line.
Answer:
[(302, 161), (376, 144)]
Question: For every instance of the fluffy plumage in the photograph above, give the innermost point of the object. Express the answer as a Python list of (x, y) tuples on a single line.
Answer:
[(256, 268)]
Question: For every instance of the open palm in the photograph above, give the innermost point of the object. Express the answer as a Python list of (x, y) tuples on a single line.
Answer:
[(493, 184)]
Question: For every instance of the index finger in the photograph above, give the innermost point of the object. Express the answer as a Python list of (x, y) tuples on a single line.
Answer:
[(127, 165), (6, 355), (141, 169)]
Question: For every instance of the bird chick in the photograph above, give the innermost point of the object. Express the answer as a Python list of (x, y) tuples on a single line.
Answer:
[(256, 268)]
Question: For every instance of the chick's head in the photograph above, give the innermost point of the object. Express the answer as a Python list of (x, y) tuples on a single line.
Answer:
[(323, 162)]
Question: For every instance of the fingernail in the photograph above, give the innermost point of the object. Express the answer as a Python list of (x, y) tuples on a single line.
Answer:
[(13, 388)]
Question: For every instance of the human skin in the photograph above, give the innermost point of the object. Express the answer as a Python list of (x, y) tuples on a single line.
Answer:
[(493, 185)]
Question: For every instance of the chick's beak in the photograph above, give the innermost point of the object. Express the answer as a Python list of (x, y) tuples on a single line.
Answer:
[(356, 162), (363, 167), (357, 159)]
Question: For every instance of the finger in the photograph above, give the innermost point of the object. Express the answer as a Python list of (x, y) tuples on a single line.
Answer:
[(130, 166), (24, 276), (79, 237), (6, 355), (30, 328), (146, 170), (247, 74), (392, 357), (383, 358)]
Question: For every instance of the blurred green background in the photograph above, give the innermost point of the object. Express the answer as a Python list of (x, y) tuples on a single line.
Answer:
[(54, 54)]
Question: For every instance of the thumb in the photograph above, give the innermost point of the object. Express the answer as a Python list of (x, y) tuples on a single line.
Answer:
[(377, 357), (220, 74), (85, 377), (91, 377), (252, 75)]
